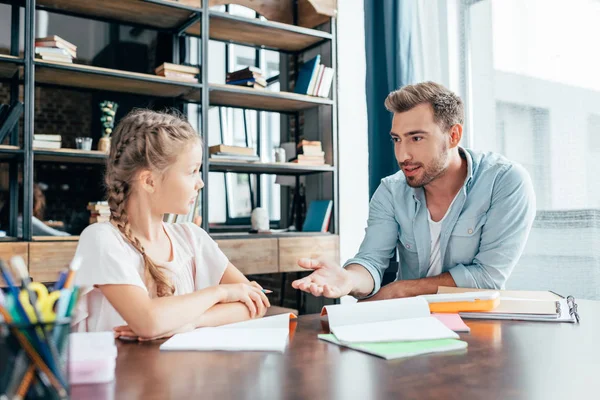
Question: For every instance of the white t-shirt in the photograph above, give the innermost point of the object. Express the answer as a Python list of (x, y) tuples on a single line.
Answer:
[(435, 257), (108, 258)]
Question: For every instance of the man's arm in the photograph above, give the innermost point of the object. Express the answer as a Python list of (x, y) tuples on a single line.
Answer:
[(378, 246), (414, 287), (504, 234)]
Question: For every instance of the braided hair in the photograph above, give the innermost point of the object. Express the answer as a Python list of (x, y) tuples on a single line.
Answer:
[(143, 139)]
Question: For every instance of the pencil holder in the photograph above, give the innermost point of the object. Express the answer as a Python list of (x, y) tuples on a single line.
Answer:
[(34, 360)]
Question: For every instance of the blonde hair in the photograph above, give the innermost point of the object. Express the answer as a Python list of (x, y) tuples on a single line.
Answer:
[(143, 139), (448, 109)]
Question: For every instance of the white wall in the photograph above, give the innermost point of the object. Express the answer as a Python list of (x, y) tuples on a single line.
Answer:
[(352, 127)]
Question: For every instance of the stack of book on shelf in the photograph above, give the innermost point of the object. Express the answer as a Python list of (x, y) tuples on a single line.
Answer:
[(99, 211), (47, 141), (310, 153), (177, 72), (314, 78), (235, 153), (248, 77), (55, 48)]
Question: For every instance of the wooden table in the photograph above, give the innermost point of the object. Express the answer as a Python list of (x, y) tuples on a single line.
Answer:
[(504, 360)]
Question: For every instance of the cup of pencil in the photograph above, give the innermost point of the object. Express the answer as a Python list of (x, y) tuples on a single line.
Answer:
[(34, 334)]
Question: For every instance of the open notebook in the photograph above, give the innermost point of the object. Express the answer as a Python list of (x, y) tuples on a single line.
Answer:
[(264, 334), (397, 320), (524, 305)]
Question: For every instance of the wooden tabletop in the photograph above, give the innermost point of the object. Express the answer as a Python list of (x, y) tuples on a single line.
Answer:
[(504, 360)]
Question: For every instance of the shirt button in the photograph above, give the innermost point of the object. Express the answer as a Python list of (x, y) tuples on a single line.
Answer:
[(408, 246), (470, 231)]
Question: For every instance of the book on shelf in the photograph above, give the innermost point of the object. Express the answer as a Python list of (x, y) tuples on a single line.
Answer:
[(46, 144), (318, 216), (47, 138), (55, 46), (258, 83), (222, 148), (99, 212), (248, 72), (179, 76), (248, 77), (233, 157), (185, 69), (314, 79)]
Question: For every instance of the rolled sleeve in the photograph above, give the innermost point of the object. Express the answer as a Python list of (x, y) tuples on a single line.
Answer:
[(504, 234)]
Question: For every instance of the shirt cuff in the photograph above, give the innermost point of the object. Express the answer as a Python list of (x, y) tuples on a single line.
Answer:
[(374, 274)]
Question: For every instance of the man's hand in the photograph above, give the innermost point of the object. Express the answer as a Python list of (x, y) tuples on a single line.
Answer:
[(328, 279)]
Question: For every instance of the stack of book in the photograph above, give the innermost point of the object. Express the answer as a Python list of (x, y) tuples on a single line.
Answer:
[(99, 211), (176, 72), (47, 141), (55, 48), (314, 78), (236, 153), (310, 153), (248, 77)]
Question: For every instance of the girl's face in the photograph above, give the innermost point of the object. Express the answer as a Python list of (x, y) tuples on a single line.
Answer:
[(178, 187)]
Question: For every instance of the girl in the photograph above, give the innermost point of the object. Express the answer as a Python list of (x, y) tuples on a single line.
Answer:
[(144, 278)]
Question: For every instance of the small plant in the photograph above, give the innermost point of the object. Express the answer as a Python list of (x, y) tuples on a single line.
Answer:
[(109, 110)]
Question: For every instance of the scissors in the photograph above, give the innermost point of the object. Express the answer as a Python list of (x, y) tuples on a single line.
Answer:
[(45, 302)]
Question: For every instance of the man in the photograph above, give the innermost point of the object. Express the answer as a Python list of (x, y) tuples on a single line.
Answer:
[(457, 217)]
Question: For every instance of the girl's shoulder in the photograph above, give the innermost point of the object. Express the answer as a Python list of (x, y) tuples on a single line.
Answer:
[(101, 231)]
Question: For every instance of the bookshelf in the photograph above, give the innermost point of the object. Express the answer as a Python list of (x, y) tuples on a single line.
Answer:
[(252, 253)]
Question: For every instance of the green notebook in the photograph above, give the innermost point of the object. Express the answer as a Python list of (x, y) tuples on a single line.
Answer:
[(391, 350)]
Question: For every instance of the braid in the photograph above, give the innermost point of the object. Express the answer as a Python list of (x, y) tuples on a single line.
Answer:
[(143, 139)]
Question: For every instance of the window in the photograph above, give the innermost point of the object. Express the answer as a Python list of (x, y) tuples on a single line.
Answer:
[(534, 96)]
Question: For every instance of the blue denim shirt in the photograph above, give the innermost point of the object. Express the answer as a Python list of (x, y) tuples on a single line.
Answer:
[(483, 234)]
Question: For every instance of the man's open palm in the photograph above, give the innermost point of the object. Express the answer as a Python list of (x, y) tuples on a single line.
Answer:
[(328, 279)]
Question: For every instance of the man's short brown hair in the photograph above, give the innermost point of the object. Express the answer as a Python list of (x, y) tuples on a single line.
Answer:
[(448, 109)]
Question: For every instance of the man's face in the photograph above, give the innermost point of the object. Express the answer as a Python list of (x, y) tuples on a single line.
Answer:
[(420, 145)]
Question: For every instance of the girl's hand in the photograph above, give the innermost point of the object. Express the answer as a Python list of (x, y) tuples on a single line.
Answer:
[(248, 293)]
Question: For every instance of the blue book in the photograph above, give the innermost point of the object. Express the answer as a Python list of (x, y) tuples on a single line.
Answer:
[(318, 216), (307, 72)]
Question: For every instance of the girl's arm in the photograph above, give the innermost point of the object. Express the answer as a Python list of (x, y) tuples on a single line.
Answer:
[(156, 317)]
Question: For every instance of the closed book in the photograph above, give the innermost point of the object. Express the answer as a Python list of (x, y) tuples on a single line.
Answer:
[(57, 39), (48, 138), (246, 71), (248, 82), (326, 82), (44, 144), (233, 157), (306, 73), (318, 216), (311, 151), (55, 45), (319, 77), (189, 69), (57, 59), (56, 51), (179, 76), (222, 148)]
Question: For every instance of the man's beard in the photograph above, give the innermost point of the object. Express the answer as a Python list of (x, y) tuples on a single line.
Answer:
[(431, 172)]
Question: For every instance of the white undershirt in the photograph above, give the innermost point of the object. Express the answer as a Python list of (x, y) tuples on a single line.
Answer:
[(435, 230)]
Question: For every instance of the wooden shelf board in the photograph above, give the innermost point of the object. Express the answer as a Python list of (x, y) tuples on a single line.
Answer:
[(260, 99), (56, 238), (97, 78), (266, 168), (253, 32), (8, 152), (251, 236), (9, 65), (160, 14), (70, 156)]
